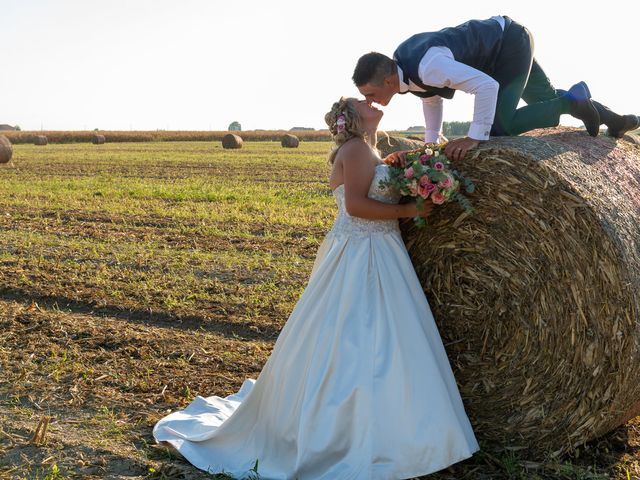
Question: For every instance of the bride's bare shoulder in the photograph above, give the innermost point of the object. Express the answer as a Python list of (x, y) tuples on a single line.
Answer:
[(354, 149)]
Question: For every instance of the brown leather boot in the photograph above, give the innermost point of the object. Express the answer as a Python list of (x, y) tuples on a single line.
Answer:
[(617, 125), (631, 122), (583, 109)]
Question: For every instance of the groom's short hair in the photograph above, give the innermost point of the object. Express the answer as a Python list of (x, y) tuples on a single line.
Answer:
[(373, 68)]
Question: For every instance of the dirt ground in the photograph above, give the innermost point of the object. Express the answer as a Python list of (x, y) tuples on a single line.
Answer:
[(103, 378)]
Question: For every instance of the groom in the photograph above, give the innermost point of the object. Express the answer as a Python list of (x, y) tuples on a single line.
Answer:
[(493, 60)]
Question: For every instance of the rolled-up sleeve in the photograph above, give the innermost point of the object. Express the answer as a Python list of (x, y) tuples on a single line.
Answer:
[(432, 108), (438, 68)]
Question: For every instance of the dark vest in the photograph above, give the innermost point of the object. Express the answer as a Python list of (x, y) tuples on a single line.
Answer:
[(475, 43)]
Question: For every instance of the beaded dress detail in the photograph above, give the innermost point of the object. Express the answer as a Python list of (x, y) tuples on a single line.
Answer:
[(345, 224)]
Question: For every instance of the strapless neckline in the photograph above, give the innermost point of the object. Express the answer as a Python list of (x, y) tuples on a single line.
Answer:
[(346, 224)]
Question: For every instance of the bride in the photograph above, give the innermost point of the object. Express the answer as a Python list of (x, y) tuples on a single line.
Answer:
[(358, 385)]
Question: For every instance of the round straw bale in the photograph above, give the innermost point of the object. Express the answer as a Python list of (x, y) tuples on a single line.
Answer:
[(41, 140), (537, 294), (386, 145), (6, 150), (290, 141), (231, 140), (98, 139)]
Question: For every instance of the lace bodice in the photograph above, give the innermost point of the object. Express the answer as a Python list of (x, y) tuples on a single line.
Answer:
[(345, 224)]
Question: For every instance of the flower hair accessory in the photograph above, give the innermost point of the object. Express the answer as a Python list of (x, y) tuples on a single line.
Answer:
[(341, 122)]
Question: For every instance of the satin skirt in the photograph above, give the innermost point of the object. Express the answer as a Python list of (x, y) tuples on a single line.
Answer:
[(358, 385)]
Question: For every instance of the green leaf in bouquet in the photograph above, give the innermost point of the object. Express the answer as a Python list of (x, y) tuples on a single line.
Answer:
[(436, 175), (464, 201), (468, 185), (417, 168)]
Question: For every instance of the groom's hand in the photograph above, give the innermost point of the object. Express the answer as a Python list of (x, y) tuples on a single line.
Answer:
[(458, 148)]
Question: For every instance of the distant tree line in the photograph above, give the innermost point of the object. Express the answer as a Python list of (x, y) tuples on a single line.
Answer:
[(449, 129), (455, 129)]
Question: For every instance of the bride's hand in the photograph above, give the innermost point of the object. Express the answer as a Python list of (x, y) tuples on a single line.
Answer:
[(427, 207)]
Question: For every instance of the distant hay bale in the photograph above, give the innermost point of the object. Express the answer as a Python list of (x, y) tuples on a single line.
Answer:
[(41, 140), (391, 144), (6, 150), (98, 139), (290, 141), (537, 295), (231, 140)]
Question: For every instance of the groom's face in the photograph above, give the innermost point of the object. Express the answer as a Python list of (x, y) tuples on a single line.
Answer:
[(380, 94)]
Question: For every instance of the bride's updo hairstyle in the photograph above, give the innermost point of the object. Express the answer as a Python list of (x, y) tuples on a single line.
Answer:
[(344, 124)]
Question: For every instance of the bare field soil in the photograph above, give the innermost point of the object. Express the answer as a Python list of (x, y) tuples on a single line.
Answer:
[(136, 276)]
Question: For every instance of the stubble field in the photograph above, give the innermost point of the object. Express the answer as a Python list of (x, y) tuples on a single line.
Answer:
[(135, 276)]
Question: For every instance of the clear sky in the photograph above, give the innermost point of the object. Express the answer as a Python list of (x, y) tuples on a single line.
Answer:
[(201, 64)]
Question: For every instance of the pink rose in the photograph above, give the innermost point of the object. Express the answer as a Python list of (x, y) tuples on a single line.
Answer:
[(424, 180), (437, 198), (408, 172), (424, 159), (423, 191), (430, 187), (446, 183), (438, 166)]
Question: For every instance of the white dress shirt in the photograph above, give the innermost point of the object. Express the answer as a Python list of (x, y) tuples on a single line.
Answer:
[(438, 68)]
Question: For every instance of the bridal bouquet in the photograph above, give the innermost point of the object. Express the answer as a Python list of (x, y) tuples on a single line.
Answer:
[(426, 174)]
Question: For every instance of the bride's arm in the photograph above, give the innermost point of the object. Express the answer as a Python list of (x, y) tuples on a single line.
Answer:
[(358, 171)]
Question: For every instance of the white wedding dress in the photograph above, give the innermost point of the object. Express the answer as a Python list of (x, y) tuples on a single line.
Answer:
[(358, 385)]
